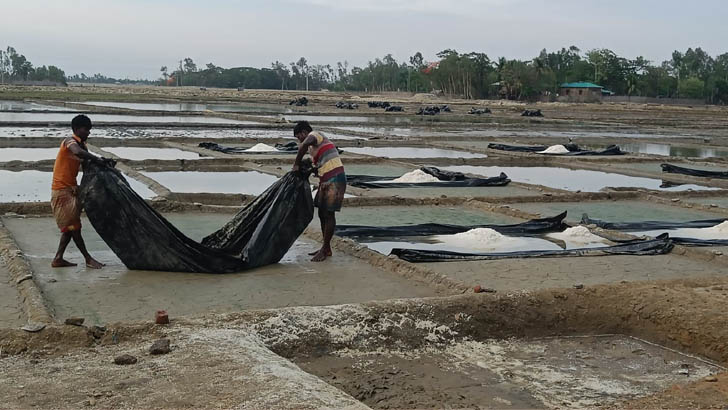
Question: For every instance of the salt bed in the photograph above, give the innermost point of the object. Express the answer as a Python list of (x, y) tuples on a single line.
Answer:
[(480, 238), (260, 147), (577, 235), (719, 231), (415, 176), (555, 149)]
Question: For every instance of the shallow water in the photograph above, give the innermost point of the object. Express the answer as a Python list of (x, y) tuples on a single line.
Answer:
[(191, 132), (55, 117), (35, 186), (571, 180), (27, 154), (674, 151), (408, 152), (27, 106), (140, 154), (347, 118), (178, 107), (244, 182), (615, 211)]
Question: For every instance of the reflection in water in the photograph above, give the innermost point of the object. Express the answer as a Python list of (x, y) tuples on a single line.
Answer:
[(571, 179), (673, 151)]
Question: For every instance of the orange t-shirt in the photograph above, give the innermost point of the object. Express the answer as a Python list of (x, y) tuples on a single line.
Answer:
[(65, 170)]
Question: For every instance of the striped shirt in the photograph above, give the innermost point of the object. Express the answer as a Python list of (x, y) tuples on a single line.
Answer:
[(325, 157)]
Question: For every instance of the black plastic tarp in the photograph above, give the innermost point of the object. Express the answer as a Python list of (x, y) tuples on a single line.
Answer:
[(574, 149), (650, 225), (674, 169), (699, 242), (448, 179), (658, 246), (532, 227), (259, 234)]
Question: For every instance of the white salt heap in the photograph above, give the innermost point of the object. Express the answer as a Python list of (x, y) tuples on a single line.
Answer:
[(577, 234), (555, 149), (416, 176), (479, 238), (719, 231), (262, 148)]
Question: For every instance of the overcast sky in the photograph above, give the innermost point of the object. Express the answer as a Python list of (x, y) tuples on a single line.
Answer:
[(133, 38)]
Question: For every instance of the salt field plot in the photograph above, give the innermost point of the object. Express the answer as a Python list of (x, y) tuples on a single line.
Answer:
[(572, 180), (115, 293), (673, 151), (140, 154), (616, 211), (26, 106), (178, 107), (245, 182), (27, 154), (347, 118), (560, 372), (58, 117), (35, 186), (396, 215), (411, 152)]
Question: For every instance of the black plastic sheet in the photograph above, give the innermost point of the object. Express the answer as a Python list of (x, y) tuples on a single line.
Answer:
[(658, 246), (674, 169), (650, 225), (532, 227), (448, 179), (259, 234), (574, 149)]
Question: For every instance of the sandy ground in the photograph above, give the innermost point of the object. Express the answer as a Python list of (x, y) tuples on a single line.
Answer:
[(104, 296), (415, 353), (542, 373), (11, 312), (541, 273)]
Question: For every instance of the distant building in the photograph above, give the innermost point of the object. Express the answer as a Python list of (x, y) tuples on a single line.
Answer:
[(582, 92)]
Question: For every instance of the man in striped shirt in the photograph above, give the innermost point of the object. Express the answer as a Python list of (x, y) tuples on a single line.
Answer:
[(332, 180)]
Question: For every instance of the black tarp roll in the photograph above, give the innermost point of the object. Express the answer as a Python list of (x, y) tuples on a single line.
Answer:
[(574, 149), (674, 169), (650, 225), (658, 246), (532, 227), (700, 242), (449, 179), (259, 234)]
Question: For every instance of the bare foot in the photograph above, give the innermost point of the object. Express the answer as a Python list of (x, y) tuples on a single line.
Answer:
[(328, 253), (62, 263), (94, 264), (320, 256)]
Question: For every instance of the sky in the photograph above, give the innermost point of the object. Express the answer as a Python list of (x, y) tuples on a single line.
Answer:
[(134, 38)]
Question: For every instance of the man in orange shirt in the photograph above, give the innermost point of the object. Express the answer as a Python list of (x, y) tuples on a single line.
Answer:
[(64, 191)]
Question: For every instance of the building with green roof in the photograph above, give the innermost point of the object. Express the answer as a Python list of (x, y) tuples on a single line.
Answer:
[(582, 91)]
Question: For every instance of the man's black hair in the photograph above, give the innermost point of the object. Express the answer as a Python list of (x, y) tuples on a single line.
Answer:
[(80, 121), (302, 126)]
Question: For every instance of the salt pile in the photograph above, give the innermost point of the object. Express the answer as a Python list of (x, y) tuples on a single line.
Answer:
[(577, 234), (719, 231), (479, 238), (261, 148), (416, 176), (555, 149)]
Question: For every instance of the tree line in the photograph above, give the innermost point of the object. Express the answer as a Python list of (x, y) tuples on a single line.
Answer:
[(15, 67), (689, 74)]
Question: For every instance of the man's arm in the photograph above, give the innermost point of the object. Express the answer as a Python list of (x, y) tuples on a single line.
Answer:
[(309, 141), (82, 153)]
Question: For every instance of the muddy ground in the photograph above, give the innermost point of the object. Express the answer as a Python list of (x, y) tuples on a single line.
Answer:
[(522, 346)]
